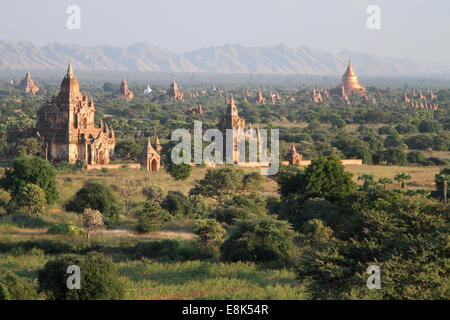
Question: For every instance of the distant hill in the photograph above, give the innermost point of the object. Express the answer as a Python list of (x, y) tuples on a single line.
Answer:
[(280, 59)]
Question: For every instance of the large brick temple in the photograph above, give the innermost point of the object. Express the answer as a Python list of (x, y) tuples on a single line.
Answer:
[(66, 128)]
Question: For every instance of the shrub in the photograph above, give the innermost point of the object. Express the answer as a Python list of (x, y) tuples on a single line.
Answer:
[(177, 203), (95, 196), (92, 221), (33, 170), (261, 240), (154, 194), (64, 229), (170, 250), (99, 278), (151, 217), (209, 233), (14, 288)]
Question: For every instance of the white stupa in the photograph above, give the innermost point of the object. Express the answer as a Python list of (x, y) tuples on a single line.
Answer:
[(148, 90)]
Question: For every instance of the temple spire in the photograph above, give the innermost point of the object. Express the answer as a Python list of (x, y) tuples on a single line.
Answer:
[(70, 69)]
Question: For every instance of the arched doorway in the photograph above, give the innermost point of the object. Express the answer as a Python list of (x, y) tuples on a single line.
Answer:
[(100, 157), (154, 166), (84, 123)]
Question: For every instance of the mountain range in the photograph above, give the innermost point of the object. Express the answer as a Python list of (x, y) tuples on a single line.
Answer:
[(230, 58)]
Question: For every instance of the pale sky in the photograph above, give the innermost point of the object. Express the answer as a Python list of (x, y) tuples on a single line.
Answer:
[(418, 29)]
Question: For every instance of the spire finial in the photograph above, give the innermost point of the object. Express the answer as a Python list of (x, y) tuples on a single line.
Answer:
[(69, 69)]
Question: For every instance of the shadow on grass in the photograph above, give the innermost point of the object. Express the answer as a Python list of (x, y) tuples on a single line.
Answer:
[(182, 273), (24, 221)]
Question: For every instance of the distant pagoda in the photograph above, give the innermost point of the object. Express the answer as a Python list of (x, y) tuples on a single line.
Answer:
[(28, 85), (349, 84), (124, 92)]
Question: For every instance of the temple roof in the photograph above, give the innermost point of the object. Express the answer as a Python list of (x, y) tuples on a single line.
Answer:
[(349, 72)]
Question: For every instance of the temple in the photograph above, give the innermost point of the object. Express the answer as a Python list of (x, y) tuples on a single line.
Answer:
[(294, 157), (174, 92), (124, 92), (349, 84), (66, 128), (28, 85), (149, 159)]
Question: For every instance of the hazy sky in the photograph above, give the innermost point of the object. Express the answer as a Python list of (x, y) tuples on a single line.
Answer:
[(409, 28)]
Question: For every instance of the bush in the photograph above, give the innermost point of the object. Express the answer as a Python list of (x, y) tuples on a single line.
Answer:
[(14, 288), (33, 170), (95, 196), (154, 194), (151, 217), (99, 278), (170, 250), (209, 233), (65, 229), (177, 203), (261, 240)]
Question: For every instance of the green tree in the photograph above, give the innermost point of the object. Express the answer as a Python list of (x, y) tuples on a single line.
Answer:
[(177, 203), (210, 233), (401, 178), (384, 181), (28, 147), (96, 196), (31, 170), (99, 278), (406, 237), (180, 171), (261, 240), (14, 288), (151, 217), (369, 183), (442, 180), (325, 178), (31, 197)]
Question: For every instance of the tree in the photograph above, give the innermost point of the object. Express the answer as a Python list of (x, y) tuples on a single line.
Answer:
[(95, 196), (99, 278), (384, 181), (260, 240), (177, 204), (406, 237), (33, 170), (220, 184), (325, 178), (28, 147), (126, 189), (180, 171), (441, 180), (31, 197), (128, 149), (209, 232), (153, 193), (369, 183), (92, 221), (402, 178), (151, 217), (14, 288)]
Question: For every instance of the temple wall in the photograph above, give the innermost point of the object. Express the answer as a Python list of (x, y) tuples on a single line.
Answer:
[(113, 166)]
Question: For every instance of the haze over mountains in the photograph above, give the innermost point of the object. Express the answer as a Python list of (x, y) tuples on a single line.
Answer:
[(280, 59)]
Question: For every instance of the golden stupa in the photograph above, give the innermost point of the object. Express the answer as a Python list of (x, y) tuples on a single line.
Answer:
[(350, 81)]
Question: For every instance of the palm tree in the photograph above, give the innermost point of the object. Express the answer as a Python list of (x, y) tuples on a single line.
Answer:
[(442, 178), (384, 181), (402, 178), (369, 183)]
